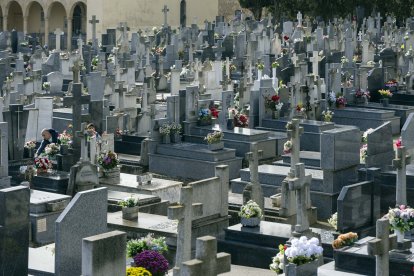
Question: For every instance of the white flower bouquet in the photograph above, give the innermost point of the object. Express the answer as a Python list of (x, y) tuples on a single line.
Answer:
[(250, 210), (303, 250)]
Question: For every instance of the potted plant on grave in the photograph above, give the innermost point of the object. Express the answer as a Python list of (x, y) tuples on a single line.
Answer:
[(129, 208), (363, 153), (65, 139), (250, 214), (175, 132), (42, 165), (401, 220), (152, 261), (204, 117), (347, 239), (287, 147), (331, 99), (109, 169), (260, 68), (340, 102), (51, 150), (300, 111), (95, 63), (273, 103), (134, 247), (165, 131), (303, 257), (327, 115), (385, 96), (30, 148), (361, 96), (239, 119), (214, 140), (46, 86), (277, 264), (392, 85), (137, 271)]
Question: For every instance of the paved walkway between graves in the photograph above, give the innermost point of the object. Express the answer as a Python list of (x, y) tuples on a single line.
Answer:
[(237, 270)]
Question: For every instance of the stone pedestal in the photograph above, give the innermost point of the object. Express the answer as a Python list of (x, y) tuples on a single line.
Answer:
[(110, 176)]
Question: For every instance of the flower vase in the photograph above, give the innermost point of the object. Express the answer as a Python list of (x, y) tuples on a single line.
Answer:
[(216, 146), (259, 74), (130, 213), (340, 106), (40, 171), (64, 149), (166, 139), (230, 124), (385, 102), (30, 153), (175, 137), (250, 222), (400, 235), (275, 114), (110, 176), (204, 122), (308, 269)]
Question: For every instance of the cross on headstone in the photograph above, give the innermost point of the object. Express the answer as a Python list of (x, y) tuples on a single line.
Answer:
[(58, 32), (76, 68), (76, 101), (253, 157), (299, 17), (82, 135), (301, 184), (294, 59), (207, 262), (315, 63), (399, 163), (360, 34), (80, 48), (123, 27), (184, 213), (165, 10), (294, 134), (120, 90), (381, 246), (94, 21)]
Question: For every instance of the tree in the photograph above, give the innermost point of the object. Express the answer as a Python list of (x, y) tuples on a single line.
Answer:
[(256, 6)]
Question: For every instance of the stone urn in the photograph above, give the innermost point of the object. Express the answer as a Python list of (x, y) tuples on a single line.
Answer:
[(166, 139), (130, 213), (64, 149), (175, 137), (216, 146), (308, 269), (250, 222)]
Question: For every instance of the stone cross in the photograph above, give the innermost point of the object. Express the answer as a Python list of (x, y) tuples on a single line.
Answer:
[(94, 21), (294, 134), (301, 184), (80, 48), (120, 90), (58, 32), (360, 34), (207, 262), (299, 17), (165, 10), (381, 246), (399, 163), (123, 27), (253, 158), (184, 213), (315, 63), (76, 68), (76, 101), (82, 135)]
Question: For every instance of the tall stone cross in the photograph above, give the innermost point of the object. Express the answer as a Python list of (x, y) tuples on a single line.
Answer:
[(82, 135), (80, 48), (58, 32), (123, 27), (184, 213), (294, 132), (399, 163), (165, 10), (207, 262), (315, 63), (120, 90), (301, 184), (381, 246), (94, 21), (76, 101), (76, 68), (253, 158)]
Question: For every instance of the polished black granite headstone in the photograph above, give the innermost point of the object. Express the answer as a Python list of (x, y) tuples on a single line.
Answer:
[(355, 259), (14, 230), (53, 182), (256, 246), (130, 144)]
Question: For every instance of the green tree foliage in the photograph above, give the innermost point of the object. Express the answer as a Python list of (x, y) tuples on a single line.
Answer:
[(328, 9)]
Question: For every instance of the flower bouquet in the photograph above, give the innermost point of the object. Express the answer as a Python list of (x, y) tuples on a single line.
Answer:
[(204, 117), (340, 102), (347, 239), (331, 98), (398, 143), (165, 129), (333, 221), (175, 129), (46, 86), (361, 94), (363, 153), (277, 264), (385, 93), (303, 251), (327, 115), (287, 147), (52, 149), (250, 214), (108, 160), (30, 145), (42, 164), (137, 271), (392, 85), (240, 120), (153, 261), (260, 66), (135, 247), (401, 218), (275, 64), (273, 102), (65, 138)]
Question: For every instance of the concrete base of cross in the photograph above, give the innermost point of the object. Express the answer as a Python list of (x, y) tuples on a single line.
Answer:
[(402, 251)]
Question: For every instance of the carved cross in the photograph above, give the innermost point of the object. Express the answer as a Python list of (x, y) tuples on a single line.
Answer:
[(184, 213), (94, 21), (399, 163), (165, 10), (381, 246), (120, 90), (76, 68), (82, 135), (253, 158), (301, 184), (294, 133)]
